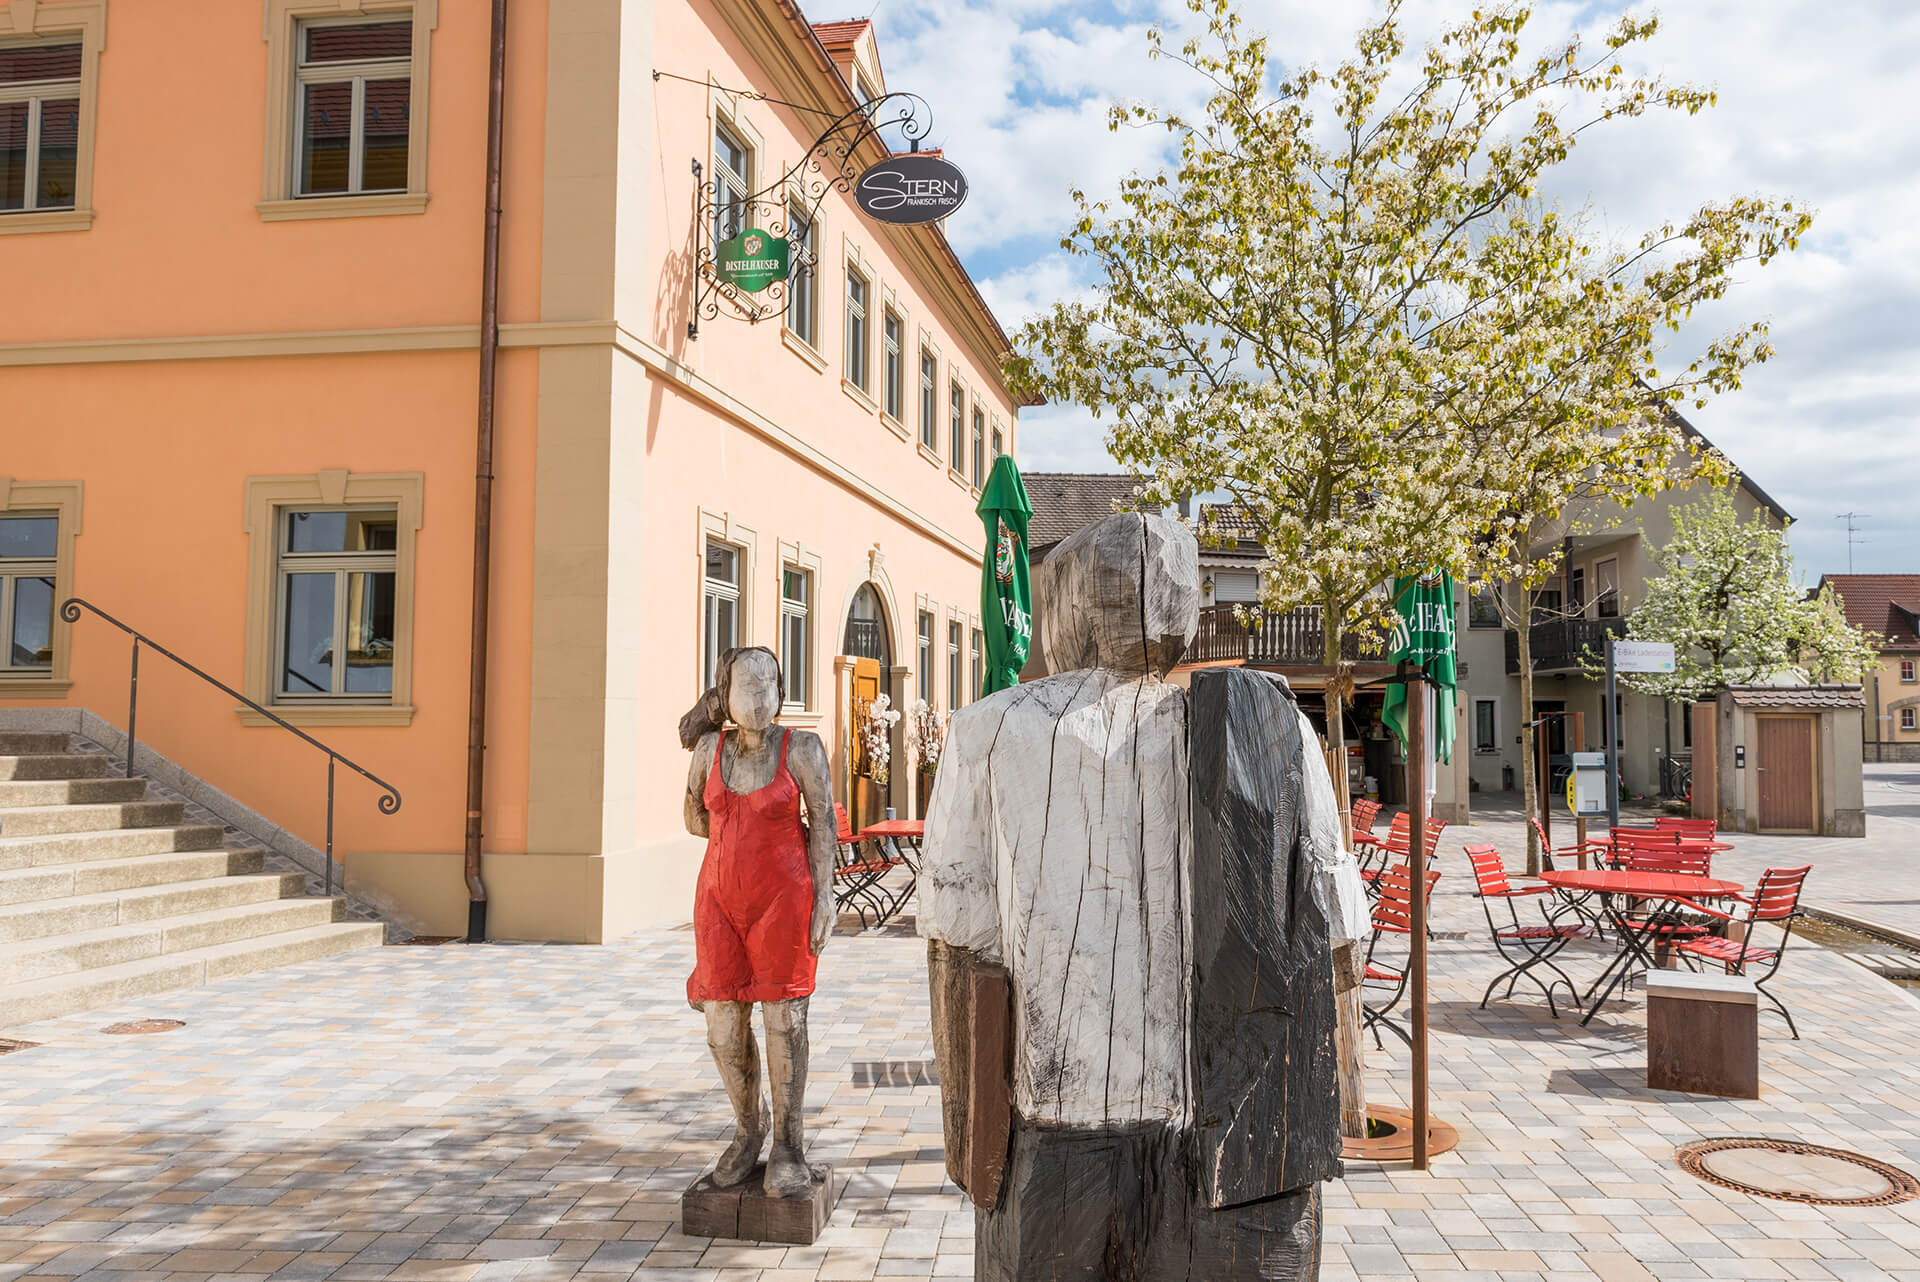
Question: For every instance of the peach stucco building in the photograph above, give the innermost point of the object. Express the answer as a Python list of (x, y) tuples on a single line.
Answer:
[(238, 373)]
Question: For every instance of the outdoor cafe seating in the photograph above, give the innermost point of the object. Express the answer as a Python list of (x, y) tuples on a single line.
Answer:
[(1392, 915), (1775, 900), (1525, 946)]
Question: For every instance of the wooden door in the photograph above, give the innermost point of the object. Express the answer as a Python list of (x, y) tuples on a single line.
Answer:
[(866, 802), (1786, 774)]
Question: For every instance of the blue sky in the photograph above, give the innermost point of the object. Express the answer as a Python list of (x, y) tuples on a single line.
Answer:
[(1815, 104)]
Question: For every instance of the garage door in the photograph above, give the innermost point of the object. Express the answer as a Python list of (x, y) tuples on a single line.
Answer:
[(1236, 585)]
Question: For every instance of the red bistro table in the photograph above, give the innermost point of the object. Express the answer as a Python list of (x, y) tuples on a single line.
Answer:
[(1619, 885), (900, 839)]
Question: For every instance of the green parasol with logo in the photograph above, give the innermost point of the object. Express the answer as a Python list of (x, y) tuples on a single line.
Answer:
[(1424, 636), (1006, 600)]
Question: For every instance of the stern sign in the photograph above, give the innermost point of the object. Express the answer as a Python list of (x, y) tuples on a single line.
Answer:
[(911, 189)]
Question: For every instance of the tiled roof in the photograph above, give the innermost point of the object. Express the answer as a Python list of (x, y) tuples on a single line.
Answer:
[(1064, 502), (1798, 697), (840, 34), (1230, 520), (1883, 603)]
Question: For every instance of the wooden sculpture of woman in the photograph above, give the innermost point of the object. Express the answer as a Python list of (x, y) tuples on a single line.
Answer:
[(763, 908)]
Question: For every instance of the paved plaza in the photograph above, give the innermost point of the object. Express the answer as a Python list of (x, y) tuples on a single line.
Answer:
[(532, 1113)]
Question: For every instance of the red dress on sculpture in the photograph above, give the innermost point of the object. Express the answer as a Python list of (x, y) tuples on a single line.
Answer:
[(753, 909)]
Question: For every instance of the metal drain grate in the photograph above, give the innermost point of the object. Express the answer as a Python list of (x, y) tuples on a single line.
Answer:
[(1796, 1172), (900, 1074), (429, 941), (8, 1045), (134, 1026)]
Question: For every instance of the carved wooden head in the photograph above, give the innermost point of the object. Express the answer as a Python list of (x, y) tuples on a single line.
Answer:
[(1122, 593), (750, 688)]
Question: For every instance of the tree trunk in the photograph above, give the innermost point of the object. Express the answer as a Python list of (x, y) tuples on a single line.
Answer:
[(1529, 737), (1347, 993)]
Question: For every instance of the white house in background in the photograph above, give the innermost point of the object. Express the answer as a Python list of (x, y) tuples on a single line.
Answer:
[(1602, 581)]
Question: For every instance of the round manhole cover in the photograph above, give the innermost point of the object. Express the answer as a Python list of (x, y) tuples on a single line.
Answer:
[(144, 1026), (1797, 1172)]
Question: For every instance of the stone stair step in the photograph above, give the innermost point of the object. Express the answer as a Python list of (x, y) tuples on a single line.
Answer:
[(63, 765), (86, 847), (128, 981), (63, 792), (65, 881), (113, 945), (38, 919), (109, 816), (26, 743)]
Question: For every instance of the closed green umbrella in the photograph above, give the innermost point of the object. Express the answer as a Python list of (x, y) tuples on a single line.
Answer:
[(1006, 600), (1424, 636)]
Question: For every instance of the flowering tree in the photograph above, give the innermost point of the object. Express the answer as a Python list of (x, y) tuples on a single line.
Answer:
[(1726, 600), (1344, 306)]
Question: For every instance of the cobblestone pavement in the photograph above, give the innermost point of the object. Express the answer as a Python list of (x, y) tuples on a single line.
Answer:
[(526, 1113)]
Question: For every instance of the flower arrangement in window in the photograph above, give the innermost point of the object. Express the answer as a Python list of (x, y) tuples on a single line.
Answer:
[(873, 722), (927, 732)]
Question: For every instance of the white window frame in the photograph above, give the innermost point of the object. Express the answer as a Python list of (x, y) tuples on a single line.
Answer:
[(711, 590), (803, 277), (1907, 670), (893, 369), (977, 662), (342, 565), (979, 446), (1909, 719), (923, 656), (1606, 588), (1492, 747), (998, 445), (859, 332), (12, 570), (36, 93), (1482, 588), (357, 74), (929, 400), (807, 612), (955, 676), (957, 426)]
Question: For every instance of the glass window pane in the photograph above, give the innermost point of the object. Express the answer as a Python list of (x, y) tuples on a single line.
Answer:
[(794, 586), (59, 149), (326, 134), (31, 645), (13, 155), (370, 633), (358, 42), (725, 625), (35, 536), (23, 64), (307, 658), (723, 563), (341, 532), (793, 658), (383, 159)]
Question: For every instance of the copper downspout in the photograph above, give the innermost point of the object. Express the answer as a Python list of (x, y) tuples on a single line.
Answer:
[(483, 484)]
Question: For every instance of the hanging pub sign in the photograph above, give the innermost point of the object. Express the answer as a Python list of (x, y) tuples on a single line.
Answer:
[(752, 260), (911, 189)]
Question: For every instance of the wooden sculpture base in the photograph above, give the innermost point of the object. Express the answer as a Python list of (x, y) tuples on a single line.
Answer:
[(745, 1213)]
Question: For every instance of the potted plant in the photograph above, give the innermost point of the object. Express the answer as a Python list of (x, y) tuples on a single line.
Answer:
[(927, 732)]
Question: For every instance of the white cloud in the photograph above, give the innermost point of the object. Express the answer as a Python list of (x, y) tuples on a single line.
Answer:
[(1814, 103)]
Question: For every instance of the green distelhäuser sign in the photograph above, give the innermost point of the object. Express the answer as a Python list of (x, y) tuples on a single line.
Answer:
[(752, 260)]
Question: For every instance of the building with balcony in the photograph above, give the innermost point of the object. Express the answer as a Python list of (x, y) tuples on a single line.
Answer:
[(239, 371), (1607, 561), (1887, 605)]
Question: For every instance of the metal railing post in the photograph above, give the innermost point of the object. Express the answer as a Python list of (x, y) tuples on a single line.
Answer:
[(133, 703), (329, 825)]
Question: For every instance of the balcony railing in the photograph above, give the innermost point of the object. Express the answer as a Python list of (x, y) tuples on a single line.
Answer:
[(1560, 645), (1292, 637)]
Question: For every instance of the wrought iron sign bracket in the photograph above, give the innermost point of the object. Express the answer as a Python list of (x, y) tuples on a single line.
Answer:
[(788, 204)]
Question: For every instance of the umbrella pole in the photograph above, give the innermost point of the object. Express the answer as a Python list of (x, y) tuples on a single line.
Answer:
[(1417, 865)]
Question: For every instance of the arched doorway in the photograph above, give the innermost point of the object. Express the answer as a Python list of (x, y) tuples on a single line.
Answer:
[(866, 647)]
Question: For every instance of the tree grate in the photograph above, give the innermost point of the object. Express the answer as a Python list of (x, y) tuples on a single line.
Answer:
[(135, 1026), (1900, 1186), (899, 1074)]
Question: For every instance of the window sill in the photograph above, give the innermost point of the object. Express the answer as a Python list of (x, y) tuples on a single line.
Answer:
[(353, 714), (801, 719), (399, 202), (24, 687), (46, 220), (803, 349), (894, 425), (930, 455), (959, 479), (859, 394)]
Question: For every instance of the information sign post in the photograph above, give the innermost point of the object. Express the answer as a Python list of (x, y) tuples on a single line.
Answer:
[(1625, 656)]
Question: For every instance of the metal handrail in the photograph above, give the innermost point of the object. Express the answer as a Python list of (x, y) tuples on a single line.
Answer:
[(389, 801)]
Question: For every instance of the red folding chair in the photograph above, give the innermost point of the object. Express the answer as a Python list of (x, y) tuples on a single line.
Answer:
[(1776, 899), (859, 879), (1521, 945), (1580, 902), (1364, 812), (1704, 828), (1392, 915)]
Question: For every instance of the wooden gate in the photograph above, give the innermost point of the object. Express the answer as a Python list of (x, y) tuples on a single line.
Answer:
[(1787, 784), (866, 802)]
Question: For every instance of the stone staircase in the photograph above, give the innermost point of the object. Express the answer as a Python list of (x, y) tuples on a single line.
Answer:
[(107, 895)]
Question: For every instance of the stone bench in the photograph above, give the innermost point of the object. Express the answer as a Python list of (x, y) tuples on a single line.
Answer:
[(1703, 1033)]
